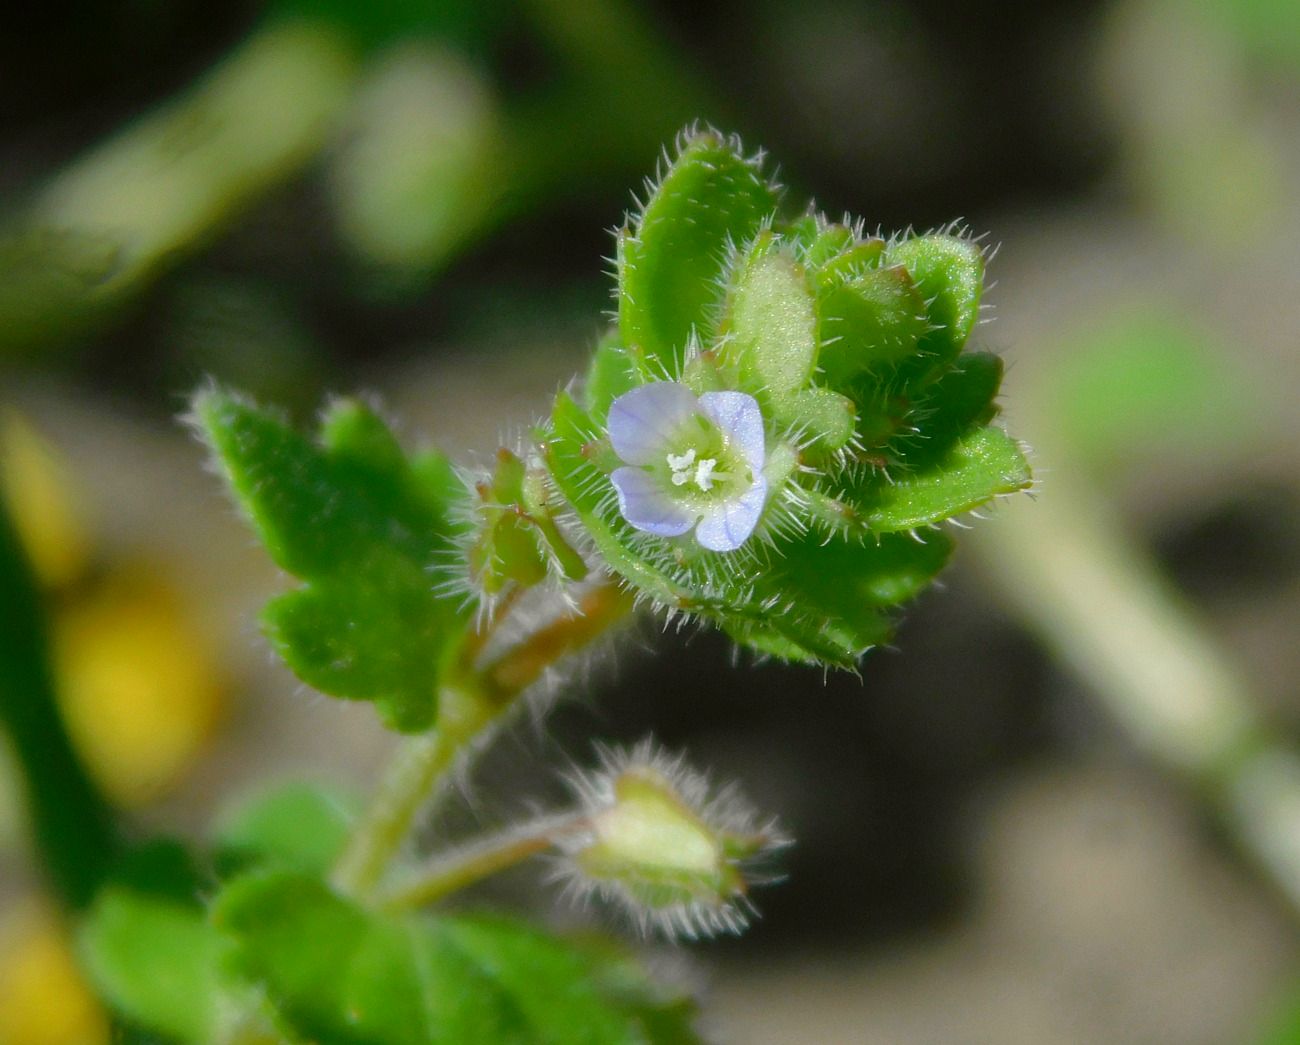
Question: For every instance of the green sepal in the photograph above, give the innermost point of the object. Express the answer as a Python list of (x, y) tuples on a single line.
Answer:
[(964, 397), (949, 273), (981, 465), (364, 527), (769, 347), (672, 258), (770, 327), (336, 972), (869, 323), (518, 542)]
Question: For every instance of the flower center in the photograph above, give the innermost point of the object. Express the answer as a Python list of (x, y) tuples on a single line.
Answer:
[(685, 469)]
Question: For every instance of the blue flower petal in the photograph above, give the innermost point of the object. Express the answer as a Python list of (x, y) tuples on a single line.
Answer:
[(729, 525), (645, 504), (644, 420), (739, 416)]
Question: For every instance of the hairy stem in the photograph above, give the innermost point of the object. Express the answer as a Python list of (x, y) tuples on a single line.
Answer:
[(462, 867), (468, 707), (419, 765)]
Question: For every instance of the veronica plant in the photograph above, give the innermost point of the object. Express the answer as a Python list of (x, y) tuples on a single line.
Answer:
[(769, 439)]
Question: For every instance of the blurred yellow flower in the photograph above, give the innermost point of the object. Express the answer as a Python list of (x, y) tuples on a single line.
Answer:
[(39, 495), (137, 680), (137, 683), (43, 998)]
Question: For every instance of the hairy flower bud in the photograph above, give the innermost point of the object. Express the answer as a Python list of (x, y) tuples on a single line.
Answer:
[(659, 842)]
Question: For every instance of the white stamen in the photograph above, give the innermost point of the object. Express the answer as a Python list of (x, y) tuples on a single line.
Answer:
[(704, 474), (681, 466)]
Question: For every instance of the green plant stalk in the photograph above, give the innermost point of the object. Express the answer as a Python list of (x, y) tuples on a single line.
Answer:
[(469, 707), (458, 869), (72, 823), (415, 771), (1101, 604)]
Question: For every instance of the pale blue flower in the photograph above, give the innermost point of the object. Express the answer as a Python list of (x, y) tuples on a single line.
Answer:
[(689, 462)]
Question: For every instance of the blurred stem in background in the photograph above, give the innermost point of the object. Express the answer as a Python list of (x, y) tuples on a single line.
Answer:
[(1071, 571), (122, 214), (69, 819), (429, 156)]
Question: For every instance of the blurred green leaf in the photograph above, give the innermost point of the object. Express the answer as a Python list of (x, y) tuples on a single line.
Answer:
[(299, 826), (352, 517), (377, 23), (335, 972), (155, 960), (1145, 383)]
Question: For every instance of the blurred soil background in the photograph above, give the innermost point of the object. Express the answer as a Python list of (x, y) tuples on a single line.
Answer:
[(1001, 835)]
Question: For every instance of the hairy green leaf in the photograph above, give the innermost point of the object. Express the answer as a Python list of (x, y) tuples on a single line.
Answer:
[(365, 528), (671, 259), (949, 273), (839, 592), (978, 467)]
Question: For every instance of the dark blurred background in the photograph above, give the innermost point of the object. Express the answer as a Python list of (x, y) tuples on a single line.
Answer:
[(1013, 827)]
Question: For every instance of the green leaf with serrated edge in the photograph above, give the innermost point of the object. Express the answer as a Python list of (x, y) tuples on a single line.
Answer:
[(868, 323), (979, 466), (155, 960), (363, 527), (838, 591), (297, 825), (671, 260), (949, 273), (610, 374), (338, 973), (378, 636)]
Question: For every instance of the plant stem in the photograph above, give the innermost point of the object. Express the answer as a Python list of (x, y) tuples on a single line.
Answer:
[(419, 764), (468, 706), (76, 838), (1098, 601), (459, 868)]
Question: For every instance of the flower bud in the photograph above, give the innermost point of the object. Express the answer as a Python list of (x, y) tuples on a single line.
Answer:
[(657, 842)]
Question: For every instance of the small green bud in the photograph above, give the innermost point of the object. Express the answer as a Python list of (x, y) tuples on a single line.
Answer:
[(658, 842), (518, 542)]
